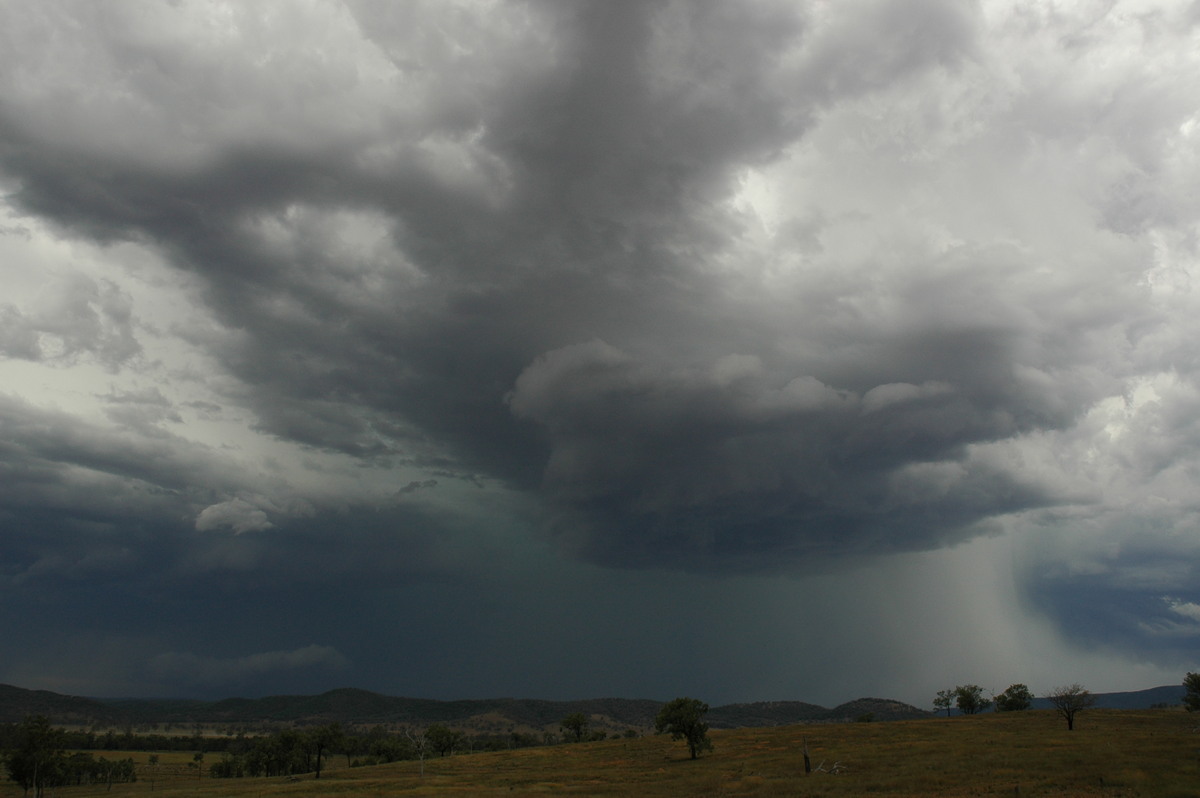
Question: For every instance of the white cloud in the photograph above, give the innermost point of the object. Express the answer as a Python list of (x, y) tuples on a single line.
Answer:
[(236, 514), (1189, 610)]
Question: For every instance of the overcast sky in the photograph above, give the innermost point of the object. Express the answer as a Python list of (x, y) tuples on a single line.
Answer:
[(772, 350)]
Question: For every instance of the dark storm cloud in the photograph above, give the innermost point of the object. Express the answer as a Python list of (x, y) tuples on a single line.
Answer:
[(598, 170), (722, 469), (1146, 603), (86, 503), (189, 669), (699, 286)]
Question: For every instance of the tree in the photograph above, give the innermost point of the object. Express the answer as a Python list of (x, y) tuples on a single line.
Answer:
[(323, 739), (683, 718), (1070, 700), (443, 739), (944, 700), (577, 724), (37, 760), (1015, 699), (1191, 696), (420, 743), (969, 699)]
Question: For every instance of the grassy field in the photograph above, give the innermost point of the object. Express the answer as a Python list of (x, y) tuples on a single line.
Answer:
[(1110, 753)]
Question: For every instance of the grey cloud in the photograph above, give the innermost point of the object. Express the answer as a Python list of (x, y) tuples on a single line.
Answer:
[(236, 514), (587, 202), (37, 438), (765, 287), (73, 316), (192, 670), (79, 502), (720, 468), (141, 409), (416, 485), (848, 59), (18, 338)]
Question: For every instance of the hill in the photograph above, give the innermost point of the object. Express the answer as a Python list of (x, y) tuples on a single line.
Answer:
[(499, 715), (17, 703), (784, 713), (362, 707), (1171, 695)]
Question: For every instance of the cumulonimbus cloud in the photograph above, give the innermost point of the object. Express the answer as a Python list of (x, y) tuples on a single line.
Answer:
[(773, 286)]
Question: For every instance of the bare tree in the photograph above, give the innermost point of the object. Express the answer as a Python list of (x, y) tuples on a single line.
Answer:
[(420, 744), (1069, 701)]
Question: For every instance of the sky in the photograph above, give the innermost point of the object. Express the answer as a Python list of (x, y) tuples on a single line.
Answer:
[(463, 349)]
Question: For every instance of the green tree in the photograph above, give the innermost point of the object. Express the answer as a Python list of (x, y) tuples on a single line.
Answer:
[(1015, 699), (577, 724), (683, 719), (325, 739), (37, 760), (944, 700), (443, 739), (1191, 695), (1069, 701), (969, 699)]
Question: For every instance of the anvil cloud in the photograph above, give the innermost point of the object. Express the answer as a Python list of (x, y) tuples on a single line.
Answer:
[(580, 348)]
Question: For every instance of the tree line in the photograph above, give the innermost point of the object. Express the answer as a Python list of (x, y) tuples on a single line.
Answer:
[(1067, 701), (36, 758), (295, 752), (130, 741), (36, 755)]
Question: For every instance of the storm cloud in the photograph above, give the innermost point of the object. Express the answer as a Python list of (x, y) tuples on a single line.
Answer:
[(793, 297)]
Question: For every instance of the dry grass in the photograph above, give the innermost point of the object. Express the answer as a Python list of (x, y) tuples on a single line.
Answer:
[(1110, 753)]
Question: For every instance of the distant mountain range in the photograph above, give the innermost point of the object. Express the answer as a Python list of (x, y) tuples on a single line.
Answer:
[(501, 715), (1170, 695), (351, 706)]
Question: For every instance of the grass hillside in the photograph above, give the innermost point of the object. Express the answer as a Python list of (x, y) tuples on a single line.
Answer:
[(17, 703), (1111, 753)]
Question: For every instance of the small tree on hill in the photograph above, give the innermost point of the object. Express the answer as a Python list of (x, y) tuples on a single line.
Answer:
[(944, 700), (969, 699), (577, 724), (1015, 699), (1069, 701), (1191, 695), (683, 719), (444, 739), (419, 740)]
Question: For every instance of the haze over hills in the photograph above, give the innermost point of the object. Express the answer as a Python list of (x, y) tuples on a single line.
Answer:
[(354, 706)]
